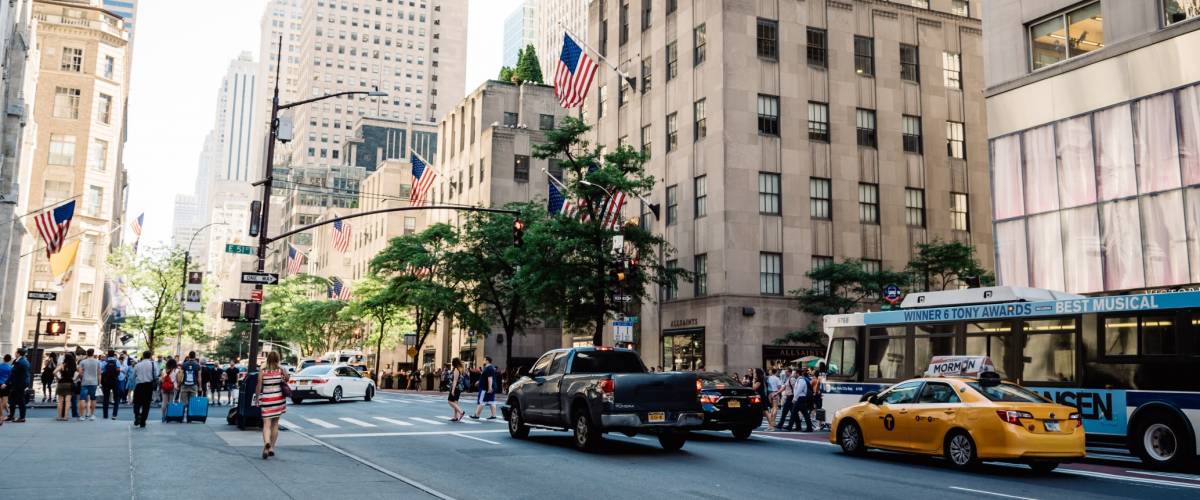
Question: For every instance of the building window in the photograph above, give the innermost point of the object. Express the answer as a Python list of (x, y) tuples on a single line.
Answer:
[(646, 14), (864, 55), (62, 150), (700, 276), (553, 167), (510, 119), (66, 103), (602, 98), (872, 266), (646, 138), (672, 132), (109, 66), (672, 5), (818, 49), (699, 44), (85, 300), (910, 127), (818, 121), (623, 92), (410, 225), (914, 207), (671, 291), (770, 273), (960, 8), (72, 59), (623, 23), (924, 4), (768, 39), (699, 130), (820, 199), (98, 155), (910, 63), (104, 109), (865, 121), (768, 114), (672, 60), (768, 193), (959, 219), (92, 200), (817, 263), (952, 70), (546, 122), (521, 168), (647, 72), (1065, 35), (700, 186), (955, 143), (868, 203), (672, 205)]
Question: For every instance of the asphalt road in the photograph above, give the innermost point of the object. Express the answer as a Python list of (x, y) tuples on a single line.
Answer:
[(409, 437)]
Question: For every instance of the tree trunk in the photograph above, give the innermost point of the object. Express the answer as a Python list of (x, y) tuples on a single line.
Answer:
[(379, 351)]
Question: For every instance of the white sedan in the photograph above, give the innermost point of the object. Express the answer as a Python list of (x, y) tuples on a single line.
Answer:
[(332, 382)]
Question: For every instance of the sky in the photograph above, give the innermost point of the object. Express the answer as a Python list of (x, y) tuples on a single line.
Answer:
[(179, 58)]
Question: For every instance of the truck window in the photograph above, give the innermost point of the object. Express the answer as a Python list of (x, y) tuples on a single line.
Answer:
[(607, 362), (543, 364), (558, 366)]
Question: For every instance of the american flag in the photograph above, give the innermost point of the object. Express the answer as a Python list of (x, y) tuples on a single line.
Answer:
[(560, 205), (137, 225), (423, 176), (574, 75), (338, 289), (417, 272), (52, 225), (612, 211), (294, 260), (341, 236)]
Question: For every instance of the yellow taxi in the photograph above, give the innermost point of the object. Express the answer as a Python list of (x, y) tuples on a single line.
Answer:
[(962, 410)]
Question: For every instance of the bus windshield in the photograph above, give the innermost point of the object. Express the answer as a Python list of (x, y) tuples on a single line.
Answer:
[(1007, 393)]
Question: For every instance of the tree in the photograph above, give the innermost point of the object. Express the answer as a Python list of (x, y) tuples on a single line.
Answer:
[(838, 288), (291, 314), (939, 265), (528, 70), (152, 280), (373, 302), (506, 74), (571, 269)]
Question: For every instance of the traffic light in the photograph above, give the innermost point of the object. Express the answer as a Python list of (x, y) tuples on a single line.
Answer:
[(519, 233), (619, 271), (56, 327)]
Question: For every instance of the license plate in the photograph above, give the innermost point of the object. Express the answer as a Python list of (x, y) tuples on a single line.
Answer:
[(735, 404), (301, 382), (657, 417), (1052, 427)]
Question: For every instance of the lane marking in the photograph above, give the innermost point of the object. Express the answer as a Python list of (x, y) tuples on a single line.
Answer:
[(465, 420), (289, 424), (790, 440), (1002, 495), (1172, 475), (357, 422), (427, 421), (414, 433), (461, 435), (1134, 479), (392, 421), (322, 423), (380, 469), (377, 400)]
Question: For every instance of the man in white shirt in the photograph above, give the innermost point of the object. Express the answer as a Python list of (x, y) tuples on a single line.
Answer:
[(801, 392), (773, 383), (145, 373)]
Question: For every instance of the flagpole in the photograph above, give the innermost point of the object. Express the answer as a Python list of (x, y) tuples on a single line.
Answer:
[(628, 79)]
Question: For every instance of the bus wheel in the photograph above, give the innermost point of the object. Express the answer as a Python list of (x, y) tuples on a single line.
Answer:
[(1161, 440)]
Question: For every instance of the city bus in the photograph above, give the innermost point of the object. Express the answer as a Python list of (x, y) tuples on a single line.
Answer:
[(1129, 363)]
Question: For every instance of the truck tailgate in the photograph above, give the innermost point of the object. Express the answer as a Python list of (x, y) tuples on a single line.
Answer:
[(656, 391)]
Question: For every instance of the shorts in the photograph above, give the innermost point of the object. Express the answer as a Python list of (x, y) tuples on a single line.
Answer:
[(454, 394), (87, 392), (187, 393), (65, 388), (486, 399)]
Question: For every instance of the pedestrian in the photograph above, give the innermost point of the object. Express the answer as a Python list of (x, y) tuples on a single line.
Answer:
[(489, 383), (47, 379), (802, 392), (119, 389), (785, 395), (145, 374), (65, 373), (5, 373), (109, 383), (130, 379), (458, 384), (213, 373), (191, 381), (773, 384), (758, 383), (89, 381), (167, 384), (231, 379), (271, 401)]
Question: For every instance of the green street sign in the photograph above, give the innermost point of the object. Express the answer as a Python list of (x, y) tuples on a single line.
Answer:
[(242, 249)]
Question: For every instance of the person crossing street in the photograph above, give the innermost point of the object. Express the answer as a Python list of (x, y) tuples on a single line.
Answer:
[(145, 374), (489, 382)]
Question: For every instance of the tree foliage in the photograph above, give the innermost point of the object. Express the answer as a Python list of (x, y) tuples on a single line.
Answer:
[(839, 288), (506, 74), (528, 70), (375, 308), (295, 311), (941, 265), (152, 281)]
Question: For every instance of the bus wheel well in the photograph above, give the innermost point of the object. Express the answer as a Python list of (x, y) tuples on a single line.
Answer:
[(1160, 413)]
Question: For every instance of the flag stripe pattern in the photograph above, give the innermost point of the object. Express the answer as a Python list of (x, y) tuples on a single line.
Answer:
[(137, 224), (53, 224), (612, 211), (338, 289), (341, 236), (294, 260), (423, 176), (574, 74)]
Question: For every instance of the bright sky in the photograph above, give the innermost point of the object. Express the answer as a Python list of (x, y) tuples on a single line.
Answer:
[(180, 55)]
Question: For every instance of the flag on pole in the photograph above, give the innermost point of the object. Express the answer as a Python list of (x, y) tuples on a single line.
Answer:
[(137, 225), (574, 74), (612, 210), (52, 225), (559, 204), (294, 260), (61, 262), (557, 201), (341, 236), (338, 289), (423, 176)]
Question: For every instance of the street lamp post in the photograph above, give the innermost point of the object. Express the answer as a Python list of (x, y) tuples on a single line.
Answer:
[(187, 260)]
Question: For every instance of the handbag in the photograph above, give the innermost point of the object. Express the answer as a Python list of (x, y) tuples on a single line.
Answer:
[(284, 389)]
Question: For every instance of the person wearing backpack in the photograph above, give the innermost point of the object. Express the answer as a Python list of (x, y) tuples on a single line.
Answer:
[(459, 382), (166, 385), (110, 382), (190, 379)]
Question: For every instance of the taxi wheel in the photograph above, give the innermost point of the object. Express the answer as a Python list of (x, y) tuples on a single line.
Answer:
[(959, 449), (851, 438), (742, 433), (337, 395), (297, 401)]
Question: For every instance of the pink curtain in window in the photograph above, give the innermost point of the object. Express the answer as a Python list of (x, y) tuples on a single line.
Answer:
[(1046, 252), (1006, 177), (1041, 173), (1165, 249), (1081, 250), (1122, 241), (1114, 149), (1157, 146), (1189, 121), (1193, 231), (1077, 167), (1012, 266)]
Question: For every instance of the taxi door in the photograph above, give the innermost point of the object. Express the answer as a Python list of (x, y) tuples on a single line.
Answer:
[(932, 416), (885, 424)]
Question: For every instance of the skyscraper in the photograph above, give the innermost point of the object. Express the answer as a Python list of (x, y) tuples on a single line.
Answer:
[(520, 29), (553, 17)]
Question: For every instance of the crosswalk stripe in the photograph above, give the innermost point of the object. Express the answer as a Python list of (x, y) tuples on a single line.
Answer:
[(425, 421), (357, 422), (288, 424), (322, 423), (464, 420), (391, 421), (383, 400)]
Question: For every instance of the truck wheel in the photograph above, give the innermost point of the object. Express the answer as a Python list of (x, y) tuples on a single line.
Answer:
[(516, 423), (671, 440), (1161, 440), (742, 433), (297, 401), (587, 437)]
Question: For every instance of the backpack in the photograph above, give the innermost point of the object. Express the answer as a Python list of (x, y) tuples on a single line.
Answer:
[(464, 382), (189, 374), (109, 377), (168, 382)]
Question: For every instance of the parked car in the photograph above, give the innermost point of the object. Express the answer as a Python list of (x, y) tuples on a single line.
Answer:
[(594, 390), (332, 382), (729, 406)]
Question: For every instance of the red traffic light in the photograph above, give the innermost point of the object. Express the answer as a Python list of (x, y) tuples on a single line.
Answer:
[(518, 233), (56, 327)]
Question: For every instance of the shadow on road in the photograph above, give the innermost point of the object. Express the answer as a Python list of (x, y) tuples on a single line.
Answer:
[(610, 446), (993, 469)]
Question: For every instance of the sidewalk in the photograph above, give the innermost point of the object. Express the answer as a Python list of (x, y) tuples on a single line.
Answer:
[(111, 459)]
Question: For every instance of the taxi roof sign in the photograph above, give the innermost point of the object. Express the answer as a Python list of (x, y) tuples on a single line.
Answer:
[(963, 366)]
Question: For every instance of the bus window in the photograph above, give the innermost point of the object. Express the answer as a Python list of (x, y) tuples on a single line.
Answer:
[(886, 353), (1120, 336), (843, 357), (930, 341), (1049, 352), (1192, 336), (1157, 336), (991, 340)]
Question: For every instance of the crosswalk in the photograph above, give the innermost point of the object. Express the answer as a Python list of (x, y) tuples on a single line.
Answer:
[(301, 422)]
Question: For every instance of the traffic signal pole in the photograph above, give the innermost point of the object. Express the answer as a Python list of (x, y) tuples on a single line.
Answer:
[(37, 333)]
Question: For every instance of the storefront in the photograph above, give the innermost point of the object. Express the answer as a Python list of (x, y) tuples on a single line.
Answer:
[(776, 356), (683, 349)]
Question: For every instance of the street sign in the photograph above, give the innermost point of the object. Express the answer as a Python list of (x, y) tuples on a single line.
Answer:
[(410, 339), (260, 278), (622, 331), (412, 352), (42, 296), (892, 294), (193, 290), (242, 249), (623, 298), (256, 295)]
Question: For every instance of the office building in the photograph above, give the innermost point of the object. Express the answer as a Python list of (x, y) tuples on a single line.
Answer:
[(185, 220), (520, 29), (819, 131), (15, 141), (553, 16)]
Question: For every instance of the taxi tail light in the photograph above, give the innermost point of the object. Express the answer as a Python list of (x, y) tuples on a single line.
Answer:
[(710, 398), (1012, 416), (609, 388), (754, 400), (1078, 418)]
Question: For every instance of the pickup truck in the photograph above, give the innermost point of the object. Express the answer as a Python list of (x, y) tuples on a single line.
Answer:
[(593, 390)]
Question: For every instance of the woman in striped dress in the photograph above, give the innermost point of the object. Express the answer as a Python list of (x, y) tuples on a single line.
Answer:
[(271, 401)]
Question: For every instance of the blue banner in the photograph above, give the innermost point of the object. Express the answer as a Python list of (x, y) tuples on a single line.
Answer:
[(1090, 305), (1103, 411)]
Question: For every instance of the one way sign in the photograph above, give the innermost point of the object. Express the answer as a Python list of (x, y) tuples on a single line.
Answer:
[(260, 278)]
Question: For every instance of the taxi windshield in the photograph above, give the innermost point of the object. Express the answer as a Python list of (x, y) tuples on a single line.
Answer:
[(1007, 393)]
